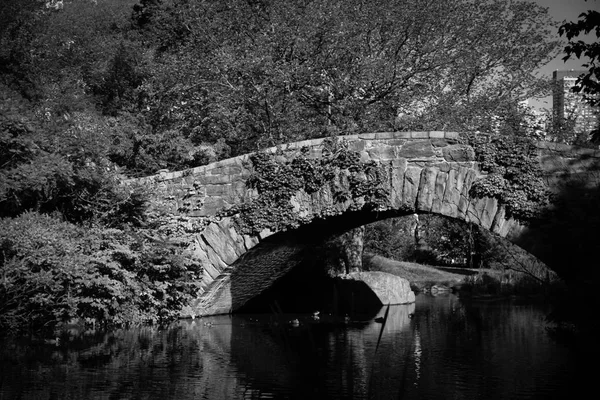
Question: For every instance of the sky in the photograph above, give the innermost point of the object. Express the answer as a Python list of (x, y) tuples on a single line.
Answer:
[(562, 10)]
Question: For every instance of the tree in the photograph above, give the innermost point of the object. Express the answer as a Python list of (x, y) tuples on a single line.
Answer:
[(208, 80), (259, 73), (589, 82)]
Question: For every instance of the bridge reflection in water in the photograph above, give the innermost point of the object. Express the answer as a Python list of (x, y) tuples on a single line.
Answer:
[(447, 349)]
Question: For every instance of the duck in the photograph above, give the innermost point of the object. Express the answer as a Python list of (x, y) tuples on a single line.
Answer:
[(295, 322)]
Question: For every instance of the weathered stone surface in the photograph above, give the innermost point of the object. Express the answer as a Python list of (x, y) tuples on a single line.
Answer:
[(449, 206), (410, 189), (390, 289), (382, 153), (439, 142), (426, 189), (236, 241), (221, 243), (427, 171), (397, 171), (416, 149), (250, 241), (458, 152), (464, 181), (250, 276), (440, 190)]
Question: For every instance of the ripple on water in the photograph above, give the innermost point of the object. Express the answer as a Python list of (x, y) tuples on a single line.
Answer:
[(446, 350)]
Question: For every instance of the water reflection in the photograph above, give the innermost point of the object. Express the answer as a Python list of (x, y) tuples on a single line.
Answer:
[(438, 348)]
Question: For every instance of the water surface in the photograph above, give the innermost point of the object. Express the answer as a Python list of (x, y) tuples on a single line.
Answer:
[(438, 348)]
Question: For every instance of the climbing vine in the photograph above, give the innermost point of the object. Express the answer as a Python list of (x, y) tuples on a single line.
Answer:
[(277, 177), (514, 174)]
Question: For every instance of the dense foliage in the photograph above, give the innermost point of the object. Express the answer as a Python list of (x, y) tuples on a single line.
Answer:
[(182, 82), (338, 172), (54, 271), (589, 83), (514, 175), (589, 22), (430, 239)]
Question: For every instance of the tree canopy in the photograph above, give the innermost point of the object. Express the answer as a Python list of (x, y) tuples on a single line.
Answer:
[(206, 80)]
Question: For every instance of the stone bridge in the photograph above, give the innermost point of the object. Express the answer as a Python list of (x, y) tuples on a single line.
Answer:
[(424, 172)]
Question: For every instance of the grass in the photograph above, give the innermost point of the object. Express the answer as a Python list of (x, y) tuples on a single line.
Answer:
[(420, 276), (470, 282)]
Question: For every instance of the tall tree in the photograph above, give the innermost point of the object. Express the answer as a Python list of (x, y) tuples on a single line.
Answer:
[(259, 73), (589, 82)]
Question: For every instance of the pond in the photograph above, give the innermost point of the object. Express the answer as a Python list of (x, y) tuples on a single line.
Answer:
[(437, 348)]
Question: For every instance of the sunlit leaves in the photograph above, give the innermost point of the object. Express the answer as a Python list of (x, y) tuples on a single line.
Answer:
[(514, 176), (54, 271)]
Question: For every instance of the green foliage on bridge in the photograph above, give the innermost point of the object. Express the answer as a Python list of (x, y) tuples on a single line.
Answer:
[(338, 172), (514, 177)]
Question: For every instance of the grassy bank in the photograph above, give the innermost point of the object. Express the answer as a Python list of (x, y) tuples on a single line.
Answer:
[(420, 276), (468, 281)]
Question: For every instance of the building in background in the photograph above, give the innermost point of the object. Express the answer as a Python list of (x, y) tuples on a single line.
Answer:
[(569, 109)]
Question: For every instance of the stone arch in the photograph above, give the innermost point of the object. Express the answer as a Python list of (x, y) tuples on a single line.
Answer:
[(428, 172)]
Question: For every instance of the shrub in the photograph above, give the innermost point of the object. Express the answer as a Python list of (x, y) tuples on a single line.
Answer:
[(52, 271)]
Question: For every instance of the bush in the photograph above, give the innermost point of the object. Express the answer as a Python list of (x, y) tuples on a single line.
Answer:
[(53, 271)]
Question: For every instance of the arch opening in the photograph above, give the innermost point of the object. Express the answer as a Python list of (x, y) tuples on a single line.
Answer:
[(286, 272)]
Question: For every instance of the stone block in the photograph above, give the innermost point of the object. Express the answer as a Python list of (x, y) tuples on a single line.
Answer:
[(410, 188), (440, 190), (222, 243), (437, 134), (419, 135), (482, 211), (500, 224), (357, 145), (458, 153), (211, 206), (397, 171), (366, 136), (382, 153), (416, 149), (384, 135), (389, 289), (250, 241), (213, 179), (218, 190), (265, 233), (395, 142), (214, 259), (451, 198), (236, 240), (426, 189), (402, 135), (439, 142), (220, 303)]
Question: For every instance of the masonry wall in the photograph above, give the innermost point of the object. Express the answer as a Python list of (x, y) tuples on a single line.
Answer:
[(429, 172)]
